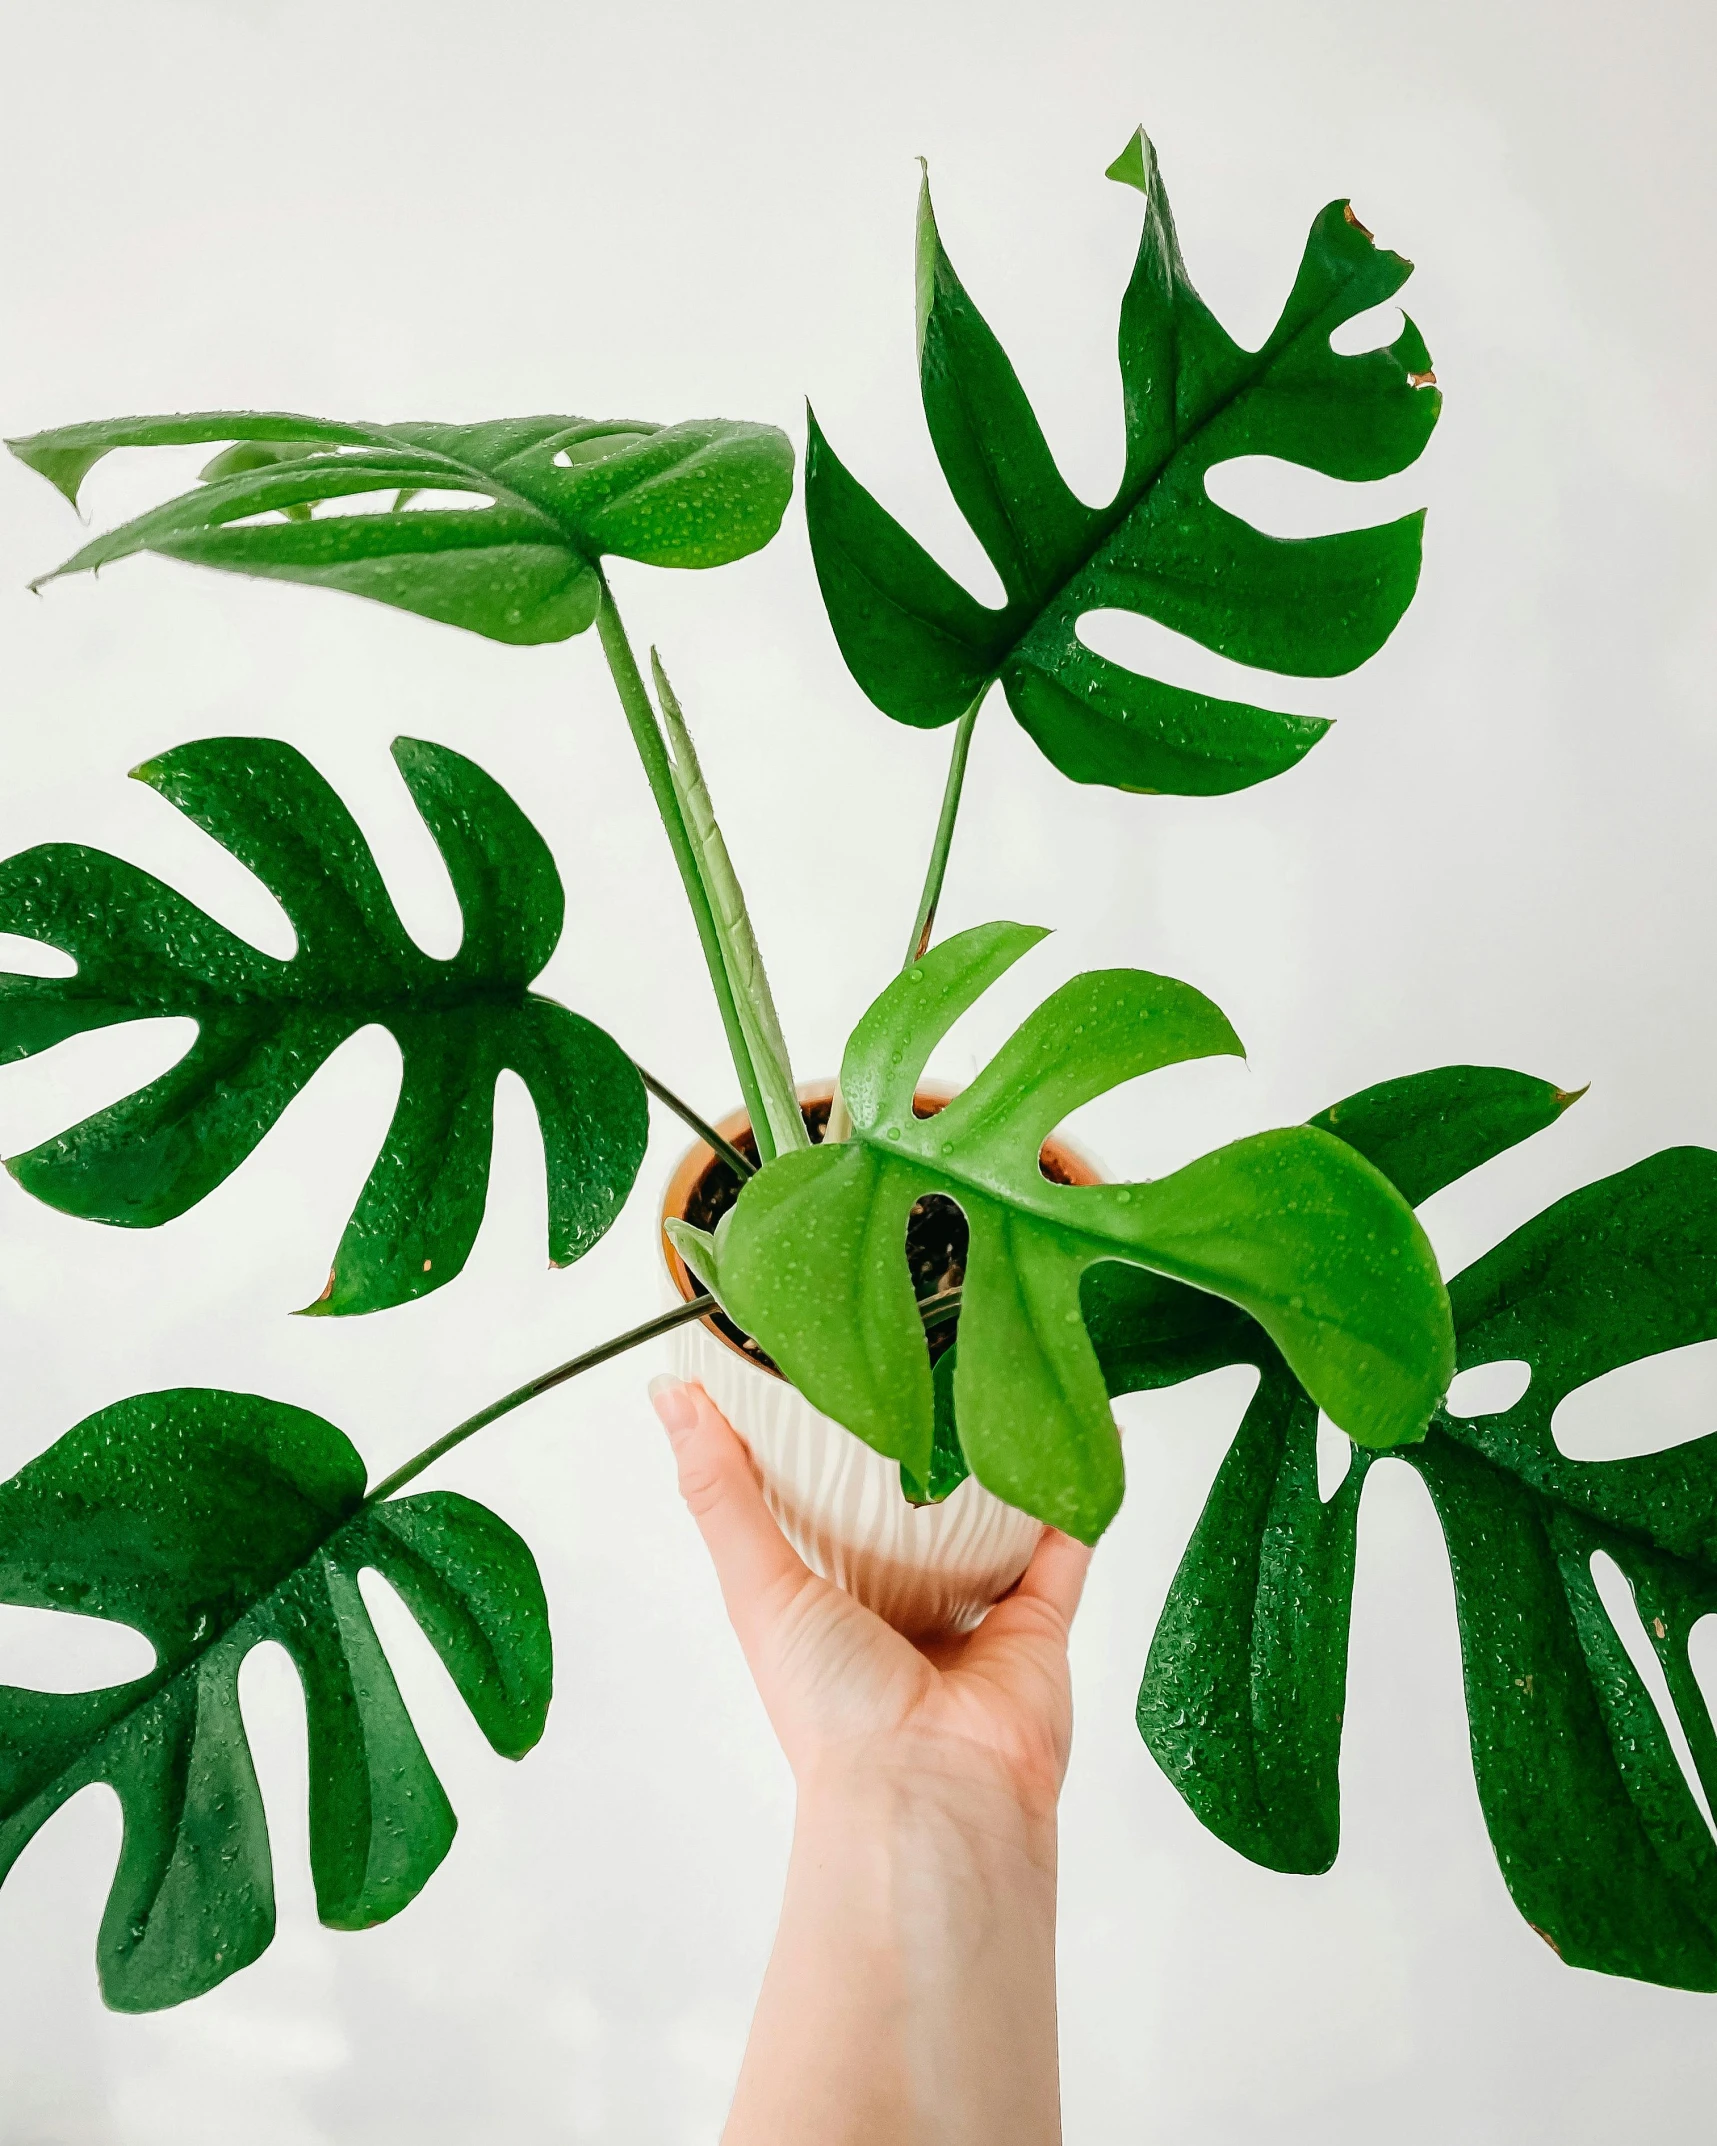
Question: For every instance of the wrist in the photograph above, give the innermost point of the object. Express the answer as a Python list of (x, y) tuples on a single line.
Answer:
[(960, 1810)]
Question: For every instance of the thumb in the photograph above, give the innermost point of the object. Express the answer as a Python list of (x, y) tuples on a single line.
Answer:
[(753, 1560)]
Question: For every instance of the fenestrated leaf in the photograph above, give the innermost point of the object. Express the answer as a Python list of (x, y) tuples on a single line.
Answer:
[(924, 649), (1245, 1686), (1292, 1225), (553, 496), (264, 1025), (211, 1522), (1603, 1847)]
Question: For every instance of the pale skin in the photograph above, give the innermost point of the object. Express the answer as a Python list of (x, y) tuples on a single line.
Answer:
[(910, 1996)]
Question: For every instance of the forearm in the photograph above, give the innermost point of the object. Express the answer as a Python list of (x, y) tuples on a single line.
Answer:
[(910, 1998)]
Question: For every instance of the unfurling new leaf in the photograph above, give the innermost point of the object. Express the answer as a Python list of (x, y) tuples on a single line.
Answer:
[(925, 650), (211, 1522), (552, 497), (1292, 1226), (265, 1025)]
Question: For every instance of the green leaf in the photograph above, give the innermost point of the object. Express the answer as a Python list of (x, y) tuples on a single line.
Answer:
[(1602, 1845), (1245, 1685), (1291, 1225), (552, 497), (211, 1522), (264, 1025), (925, 650)]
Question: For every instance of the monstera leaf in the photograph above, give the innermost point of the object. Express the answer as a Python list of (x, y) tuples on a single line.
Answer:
[(1601, 1843), (553, 496), (1246, 1682), (211, 1522), (925, 651), (264, 1025), (1293, 1226)]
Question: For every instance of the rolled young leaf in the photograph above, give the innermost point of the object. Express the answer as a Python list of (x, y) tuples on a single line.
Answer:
[(1293, 1226), (211, 1522), (264, 1025), (925, 650), (552, 497), (741, 955)]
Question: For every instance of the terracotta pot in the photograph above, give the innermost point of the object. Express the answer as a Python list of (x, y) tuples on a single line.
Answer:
[(928, 1568)]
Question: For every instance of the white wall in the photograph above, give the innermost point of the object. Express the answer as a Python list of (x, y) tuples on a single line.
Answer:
[(1502, 854)]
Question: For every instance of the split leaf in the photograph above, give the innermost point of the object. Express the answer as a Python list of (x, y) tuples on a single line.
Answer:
[(1245, 1687), (1602, 1843), (925, 650), (211, 1522), (264, 1025), (552, 496), (1291, 1225)]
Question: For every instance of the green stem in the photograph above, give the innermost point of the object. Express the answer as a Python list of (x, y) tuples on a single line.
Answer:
[(937, 869), (840, 1124), (934, 1311), (545, 1382), (647, 736), (706, 1132)]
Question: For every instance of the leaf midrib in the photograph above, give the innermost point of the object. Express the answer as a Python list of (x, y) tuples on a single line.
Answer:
[(1026, 1203), (435, 996), (1465, 1433), (149, 1687), (1106, 520)]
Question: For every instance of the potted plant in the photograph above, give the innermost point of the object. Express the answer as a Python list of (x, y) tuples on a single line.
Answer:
[(917, 1306)]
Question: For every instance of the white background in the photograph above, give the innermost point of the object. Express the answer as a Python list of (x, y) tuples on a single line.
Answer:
[(1502, 854)]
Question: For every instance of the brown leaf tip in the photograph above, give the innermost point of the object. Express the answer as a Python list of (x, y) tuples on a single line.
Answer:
[(1347, 212), (327, 1288), (1566, 1098)]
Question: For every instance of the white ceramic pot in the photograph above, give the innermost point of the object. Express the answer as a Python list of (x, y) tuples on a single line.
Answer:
[(928, 1568)]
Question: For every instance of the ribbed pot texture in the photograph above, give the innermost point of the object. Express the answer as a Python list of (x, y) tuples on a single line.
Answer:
[(928, 1569)]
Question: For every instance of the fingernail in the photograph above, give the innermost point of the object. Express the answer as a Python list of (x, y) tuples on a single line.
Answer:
[(672, 1400)]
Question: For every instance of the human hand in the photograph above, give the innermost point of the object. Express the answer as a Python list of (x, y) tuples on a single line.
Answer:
[(988, 1712)]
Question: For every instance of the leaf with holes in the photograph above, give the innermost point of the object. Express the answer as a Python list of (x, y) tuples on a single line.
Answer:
[(924, 650), (1245, 1686), (1602, 1845), (1292, 1225), (554, 496), (211, 1522), (264, 1025)]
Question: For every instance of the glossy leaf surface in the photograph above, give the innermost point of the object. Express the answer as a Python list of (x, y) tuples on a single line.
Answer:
[(551, 496), (210, 1522), (924, 650), (1291, 1225), (1601, 1842), (264, 1025), (1246, 1682)]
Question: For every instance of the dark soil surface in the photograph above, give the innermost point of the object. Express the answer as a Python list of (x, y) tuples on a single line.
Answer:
[(936, 1233)]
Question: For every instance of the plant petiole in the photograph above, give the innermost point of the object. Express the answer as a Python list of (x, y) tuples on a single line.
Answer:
[(706, 1132), (937, 869), (840, 1124), (934, 1311), (544, 1382)]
